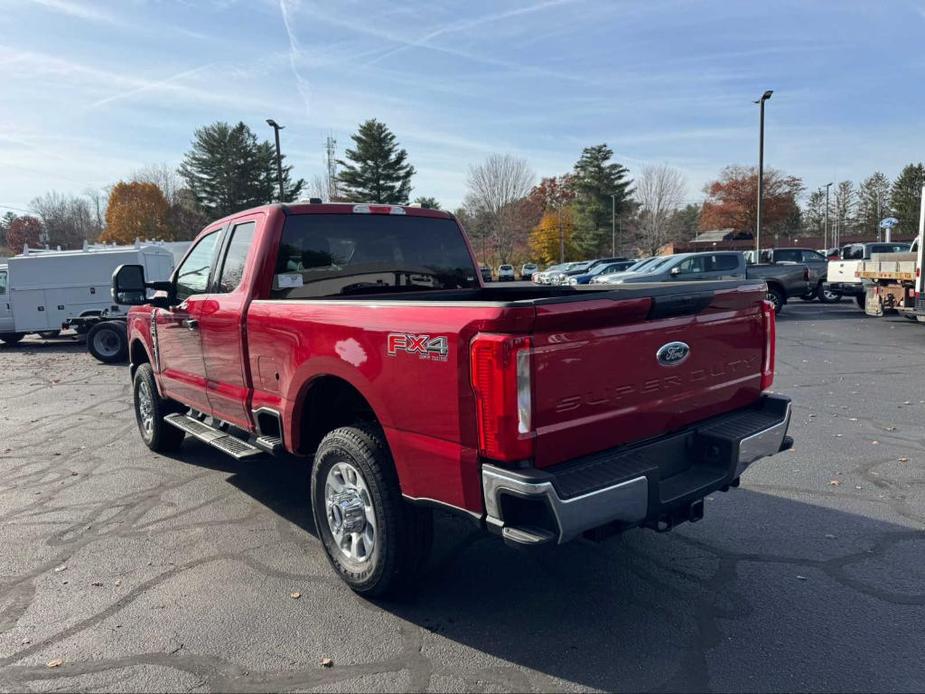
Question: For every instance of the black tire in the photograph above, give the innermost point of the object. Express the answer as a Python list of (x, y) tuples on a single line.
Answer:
[(108, 342), (828, 297), (11, 338), (157, 434), (777, 297), (861, 300), (811, 296), (402, 533)]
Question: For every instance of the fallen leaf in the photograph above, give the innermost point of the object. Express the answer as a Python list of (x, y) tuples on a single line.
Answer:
[(327, 662), (852, 419), (295, 595), (801, 578), (904, 460), (118, 581), (829, 536), (57, 662), (891, 428), (97, 584), (835, 483), (875, 443), (59, 569)]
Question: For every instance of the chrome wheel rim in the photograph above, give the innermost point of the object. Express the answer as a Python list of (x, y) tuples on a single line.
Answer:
[(772, 297), (830, 296), (145, 409), (350, 513), (106, 343)]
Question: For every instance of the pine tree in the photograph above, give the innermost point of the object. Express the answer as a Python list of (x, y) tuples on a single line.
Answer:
[(428, 203), (873, 203), (595, 180), (906, 197), (228, 170), (377, 170)]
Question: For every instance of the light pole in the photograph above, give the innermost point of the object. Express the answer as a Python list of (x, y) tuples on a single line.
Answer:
[(613, 225), (825, 228), (760, 102), (279, 157)]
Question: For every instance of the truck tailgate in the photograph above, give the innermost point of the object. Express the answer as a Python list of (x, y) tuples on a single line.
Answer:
[(598, 382)]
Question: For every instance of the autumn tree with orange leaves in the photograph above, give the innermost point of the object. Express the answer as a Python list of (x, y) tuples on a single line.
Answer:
[(732, 202), (23, 231), (137, 211)]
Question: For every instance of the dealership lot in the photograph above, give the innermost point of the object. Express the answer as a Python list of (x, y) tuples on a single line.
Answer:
[(125, 570)]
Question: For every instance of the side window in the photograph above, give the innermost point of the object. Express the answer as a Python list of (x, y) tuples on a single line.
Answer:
[(692, 265), (725, 263), (2, 282), (233, 267), (193, 273), (813, 257), (787, 255)]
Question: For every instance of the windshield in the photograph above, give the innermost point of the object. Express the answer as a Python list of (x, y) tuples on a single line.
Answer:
[(657, 263), (323, 255)]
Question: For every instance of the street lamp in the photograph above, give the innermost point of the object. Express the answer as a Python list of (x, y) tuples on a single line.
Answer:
[(825, 229), (279, 157), (613, 225), (760, 102)]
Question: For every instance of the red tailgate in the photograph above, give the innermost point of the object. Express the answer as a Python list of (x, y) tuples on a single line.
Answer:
[(598, 382)]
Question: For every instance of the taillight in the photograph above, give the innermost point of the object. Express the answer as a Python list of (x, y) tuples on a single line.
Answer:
[(769, 320), (500, 372)]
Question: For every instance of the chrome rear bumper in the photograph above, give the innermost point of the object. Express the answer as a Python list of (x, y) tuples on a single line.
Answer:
[(627, 485)]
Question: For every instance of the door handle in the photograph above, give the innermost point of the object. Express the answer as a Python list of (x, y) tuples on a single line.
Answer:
[(191, 324)]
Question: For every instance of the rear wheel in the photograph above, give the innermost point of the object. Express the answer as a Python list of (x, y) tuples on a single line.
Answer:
[(827, 296), (374, 539), (150, 410), (108, 342), (11, 338), (776, 296)]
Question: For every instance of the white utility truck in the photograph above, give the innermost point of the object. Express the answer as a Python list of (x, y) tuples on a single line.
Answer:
[(842, 276), (48, 291), (894, 280)]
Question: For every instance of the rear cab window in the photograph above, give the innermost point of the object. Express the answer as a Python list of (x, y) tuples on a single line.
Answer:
[(331, 255)]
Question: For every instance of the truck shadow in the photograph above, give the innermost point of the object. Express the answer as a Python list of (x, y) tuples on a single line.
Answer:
[(766, 593)]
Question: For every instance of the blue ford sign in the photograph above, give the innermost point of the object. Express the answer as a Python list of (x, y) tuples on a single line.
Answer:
[(673, 353)]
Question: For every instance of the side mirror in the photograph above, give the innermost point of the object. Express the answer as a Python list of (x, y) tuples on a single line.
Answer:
[(675, 271), (130, 289)]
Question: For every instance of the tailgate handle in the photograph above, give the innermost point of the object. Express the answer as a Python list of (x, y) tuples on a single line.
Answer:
[(683, 305)]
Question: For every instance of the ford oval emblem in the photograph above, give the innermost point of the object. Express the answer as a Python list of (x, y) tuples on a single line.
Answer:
[(673, 353)]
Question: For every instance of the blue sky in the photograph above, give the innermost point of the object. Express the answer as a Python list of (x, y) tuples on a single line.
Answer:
[(92, 90)]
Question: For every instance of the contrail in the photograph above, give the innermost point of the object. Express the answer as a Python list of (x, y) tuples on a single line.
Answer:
[(295, 53)]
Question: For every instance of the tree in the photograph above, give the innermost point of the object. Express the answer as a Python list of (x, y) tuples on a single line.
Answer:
[(5, 222), (24, 231), (906, 197), (68, 221), (845, 209), (814, 215), (427, 203), (732, 202), (228, 170), (686, 221), (659, 192), (494, 188), (378, 171), (873, 203), (136, 211), (554, 227), (595, 180)]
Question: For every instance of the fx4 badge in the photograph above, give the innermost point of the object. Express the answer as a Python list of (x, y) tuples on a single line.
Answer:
[(425, 346)]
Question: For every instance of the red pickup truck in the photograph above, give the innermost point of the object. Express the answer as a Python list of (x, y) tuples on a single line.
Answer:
[(362, 337)]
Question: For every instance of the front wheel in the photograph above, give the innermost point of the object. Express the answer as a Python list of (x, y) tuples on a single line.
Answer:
[(150, 410), (108, 342), (373, 538)]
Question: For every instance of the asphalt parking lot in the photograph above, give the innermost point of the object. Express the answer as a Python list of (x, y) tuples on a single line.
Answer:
[(130, 571)]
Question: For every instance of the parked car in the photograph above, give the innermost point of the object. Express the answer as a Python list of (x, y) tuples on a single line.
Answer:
[(485, 271), (602, 269), (561, 275), (527, 270), (317, 330), (642, 265), (543, 276), (842, 274), (506, 273), (783, 281)]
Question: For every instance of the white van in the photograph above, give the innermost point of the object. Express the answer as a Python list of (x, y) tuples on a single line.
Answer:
[(48, 291)]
